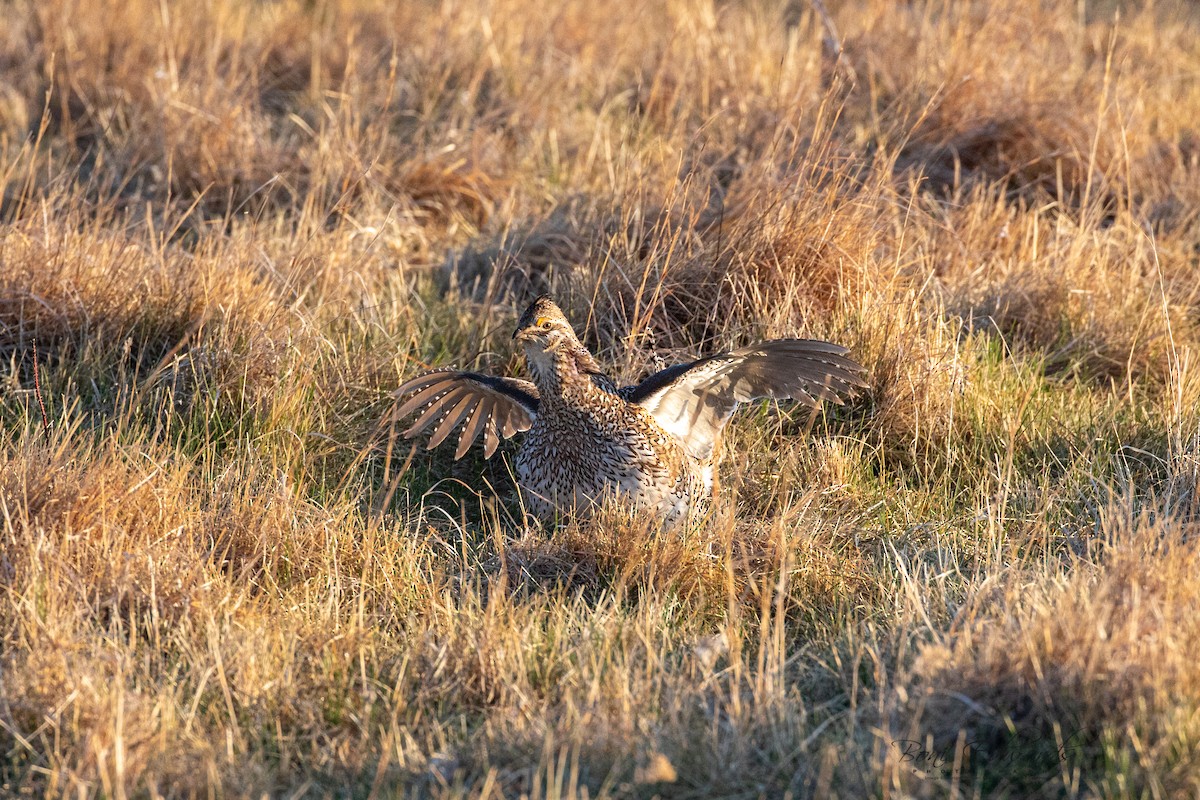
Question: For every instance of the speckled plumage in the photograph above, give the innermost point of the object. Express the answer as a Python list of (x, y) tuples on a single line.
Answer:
[(653, 444)]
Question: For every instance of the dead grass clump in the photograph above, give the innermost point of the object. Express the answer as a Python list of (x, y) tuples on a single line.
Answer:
[(479, 651), (1089, 667), (242, 367), (109, 535), (259, 533), (238, 111), (830, 574), (148, 120), (623, 559), (64, 285), (1168, 186), (445, 190), (302, 53), (728, 715), (919, 372), (616, 555), (301, 677), (1031, 158), (1110, 306), (79, 718), (1027, 119), (802, 572), (116, 321), (774, 258), (95, 67), (211, 144), (783, 249), (563, 248), (766, 245), (270, 540)]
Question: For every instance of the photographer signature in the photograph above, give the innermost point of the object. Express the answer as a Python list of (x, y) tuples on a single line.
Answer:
[(1016, 750)]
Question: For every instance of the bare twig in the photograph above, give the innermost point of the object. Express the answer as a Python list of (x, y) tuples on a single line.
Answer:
[(37, 391), (831, 45)]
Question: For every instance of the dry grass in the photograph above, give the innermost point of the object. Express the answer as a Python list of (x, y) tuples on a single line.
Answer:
[(231, 229)]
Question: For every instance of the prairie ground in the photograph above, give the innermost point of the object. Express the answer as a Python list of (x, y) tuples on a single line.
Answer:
[(229, 230)]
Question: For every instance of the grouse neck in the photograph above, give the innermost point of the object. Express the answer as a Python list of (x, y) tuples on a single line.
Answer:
[(565, 375)]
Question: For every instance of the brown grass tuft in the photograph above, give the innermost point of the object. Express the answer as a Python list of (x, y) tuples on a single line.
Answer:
[(1085, 668)]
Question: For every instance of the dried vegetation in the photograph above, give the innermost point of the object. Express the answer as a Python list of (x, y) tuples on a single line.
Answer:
[(228, 230)]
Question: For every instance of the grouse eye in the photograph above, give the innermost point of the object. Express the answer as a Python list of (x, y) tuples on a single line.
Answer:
[(544, 323)]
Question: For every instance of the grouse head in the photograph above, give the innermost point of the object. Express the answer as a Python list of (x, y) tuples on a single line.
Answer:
[(544, 327)]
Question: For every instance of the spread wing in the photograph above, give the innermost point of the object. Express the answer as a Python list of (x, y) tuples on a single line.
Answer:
[(495, 407), (694, 401)]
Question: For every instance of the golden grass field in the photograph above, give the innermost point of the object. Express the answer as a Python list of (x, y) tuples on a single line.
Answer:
[(229, 230)]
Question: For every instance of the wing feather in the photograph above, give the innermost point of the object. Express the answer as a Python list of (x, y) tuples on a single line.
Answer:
[(490, 438), (499, 407), (479, 417), (507, 428), (434, 411), (694, 400), (427, 394), (455, 416)]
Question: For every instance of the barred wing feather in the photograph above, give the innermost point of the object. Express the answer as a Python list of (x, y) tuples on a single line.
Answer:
[(479, 404), (693, 401)]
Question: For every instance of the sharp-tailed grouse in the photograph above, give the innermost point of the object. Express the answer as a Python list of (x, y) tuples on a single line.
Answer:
[(586, 439)]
